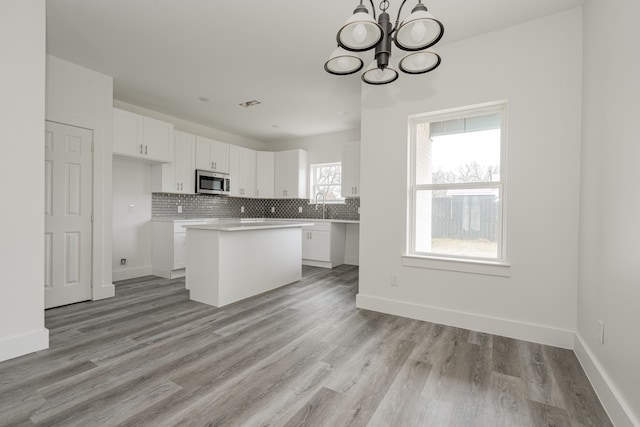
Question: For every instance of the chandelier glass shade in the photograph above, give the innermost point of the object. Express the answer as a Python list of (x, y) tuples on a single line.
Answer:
[(417, 33)]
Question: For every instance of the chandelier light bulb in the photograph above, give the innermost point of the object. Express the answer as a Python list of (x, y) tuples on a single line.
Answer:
[(359, 33), (420, 60), (343, 63), (418, 31)]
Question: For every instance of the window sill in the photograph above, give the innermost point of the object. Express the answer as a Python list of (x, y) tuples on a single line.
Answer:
[(489, 268)]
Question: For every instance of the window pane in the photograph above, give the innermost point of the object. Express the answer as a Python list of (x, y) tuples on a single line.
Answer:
[(466, 152), (458, 222), (326, 179), (331, 192)]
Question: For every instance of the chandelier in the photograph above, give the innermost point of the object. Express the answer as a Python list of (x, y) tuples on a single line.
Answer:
[(361, 32)]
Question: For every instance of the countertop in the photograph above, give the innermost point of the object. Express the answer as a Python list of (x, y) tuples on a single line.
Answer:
[(243, 225), (217, 220)]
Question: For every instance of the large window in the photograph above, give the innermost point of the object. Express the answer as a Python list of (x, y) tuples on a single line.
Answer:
[(457, 183), (326, 178)]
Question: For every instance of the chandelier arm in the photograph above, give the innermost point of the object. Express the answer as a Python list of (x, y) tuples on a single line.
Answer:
[(395, 27), (373, 9)]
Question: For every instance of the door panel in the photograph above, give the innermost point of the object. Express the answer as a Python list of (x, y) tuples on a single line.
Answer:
[(68, 204)]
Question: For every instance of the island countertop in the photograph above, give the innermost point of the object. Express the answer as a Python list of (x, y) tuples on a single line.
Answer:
[(244, 225)]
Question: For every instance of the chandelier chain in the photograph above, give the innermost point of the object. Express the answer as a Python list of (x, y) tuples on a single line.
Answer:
[(384, 5)]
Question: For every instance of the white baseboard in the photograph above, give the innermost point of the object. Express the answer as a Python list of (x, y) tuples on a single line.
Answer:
[(615, 405), (352, 260), (168, 274), (312, 263), (131, 273), (491, 325), (20, 345), (104, 291)]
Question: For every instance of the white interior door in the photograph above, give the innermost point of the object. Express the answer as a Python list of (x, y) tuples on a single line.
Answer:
[(68, 204)]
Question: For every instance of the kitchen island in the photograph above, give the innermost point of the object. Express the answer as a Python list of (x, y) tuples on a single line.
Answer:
[(232, 260)]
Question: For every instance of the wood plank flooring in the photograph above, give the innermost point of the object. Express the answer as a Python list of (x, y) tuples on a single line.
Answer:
[(301, 355)]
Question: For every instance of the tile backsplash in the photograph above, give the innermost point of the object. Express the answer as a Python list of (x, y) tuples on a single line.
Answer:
[(205, 206)]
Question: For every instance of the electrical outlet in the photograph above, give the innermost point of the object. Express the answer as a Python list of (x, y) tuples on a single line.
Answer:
[(179, 209), (241, 209), (394, 280), (273, 209), (123, 261), (299, 209), (132, 208), (358, 210), (601, 324)]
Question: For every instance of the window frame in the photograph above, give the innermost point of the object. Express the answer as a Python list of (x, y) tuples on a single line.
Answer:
[(313, 185), (449, 261)]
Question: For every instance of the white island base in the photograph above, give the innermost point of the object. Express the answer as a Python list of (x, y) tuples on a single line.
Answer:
[(227, 263)]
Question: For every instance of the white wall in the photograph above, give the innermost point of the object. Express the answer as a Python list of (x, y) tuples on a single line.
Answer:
[(132, 234), (325, 148), (22, 74), (194, 128), (81, 97), (609, 284), (537, 68)]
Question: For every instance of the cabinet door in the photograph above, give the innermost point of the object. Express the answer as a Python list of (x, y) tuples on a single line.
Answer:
[(318, 245), (220, 156), (291, 174), (157, 138), (185, 162), (203, 153), (351, 170), (249, 174), (265, 174), (280, 176), (127, 133), (234, 171)]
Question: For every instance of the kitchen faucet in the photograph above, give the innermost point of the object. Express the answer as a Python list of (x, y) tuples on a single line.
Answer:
[(320, 194)]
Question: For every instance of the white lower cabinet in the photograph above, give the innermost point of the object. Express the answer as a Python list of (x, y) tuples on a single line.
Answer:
[(170, 247), (323, 244)]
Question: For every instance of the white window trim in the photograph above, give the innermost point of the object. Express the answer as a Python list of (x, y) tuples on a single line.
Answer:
[(312, 194), (496, 267)]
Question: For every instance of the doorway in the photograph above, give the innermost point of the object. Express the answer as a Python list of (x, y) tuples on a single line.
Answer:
[(68, 214)]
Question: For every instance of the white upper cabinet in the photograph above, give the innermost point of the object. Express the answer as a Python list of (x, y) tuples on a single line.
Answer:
[(290, 174), (212, 155), (264, 174), (142, 137), (351, 170), (242, 170), (178, 176)]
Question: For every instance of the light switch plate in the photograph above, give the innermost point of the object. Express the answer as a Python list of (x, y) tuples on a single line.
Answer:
[(179, 209), (132, 208), (299, 209)]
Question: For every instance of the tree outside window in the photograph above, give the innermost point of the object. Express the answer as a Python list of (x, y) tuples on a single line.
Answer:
[(326, 178)]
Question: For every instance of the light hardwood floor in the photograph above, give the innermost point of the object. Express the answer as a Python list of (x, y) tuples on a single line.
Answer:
[(299, 355)]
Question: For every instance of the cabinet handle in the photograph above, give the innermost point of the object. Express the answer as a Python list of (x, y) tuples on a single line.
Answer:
[(140, 148), (181, 186), (145, 149), (178, 186)]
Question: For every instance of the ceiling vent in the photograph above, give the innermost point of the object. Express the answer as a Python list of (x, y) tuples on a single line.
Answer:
[(250, 103)]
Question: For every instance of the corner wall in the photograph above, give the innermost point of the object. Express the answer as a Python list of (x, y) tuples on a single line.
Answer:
[(22, 78), (537, 68), (609, 281)]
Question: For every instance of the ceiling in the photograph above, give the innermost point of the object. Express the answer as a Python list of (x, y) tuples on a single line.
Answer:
[(166, 54)]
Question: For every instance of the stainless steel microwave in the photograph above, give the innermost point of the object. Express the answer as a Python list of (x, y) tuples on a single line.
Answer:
[(212, 183)]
